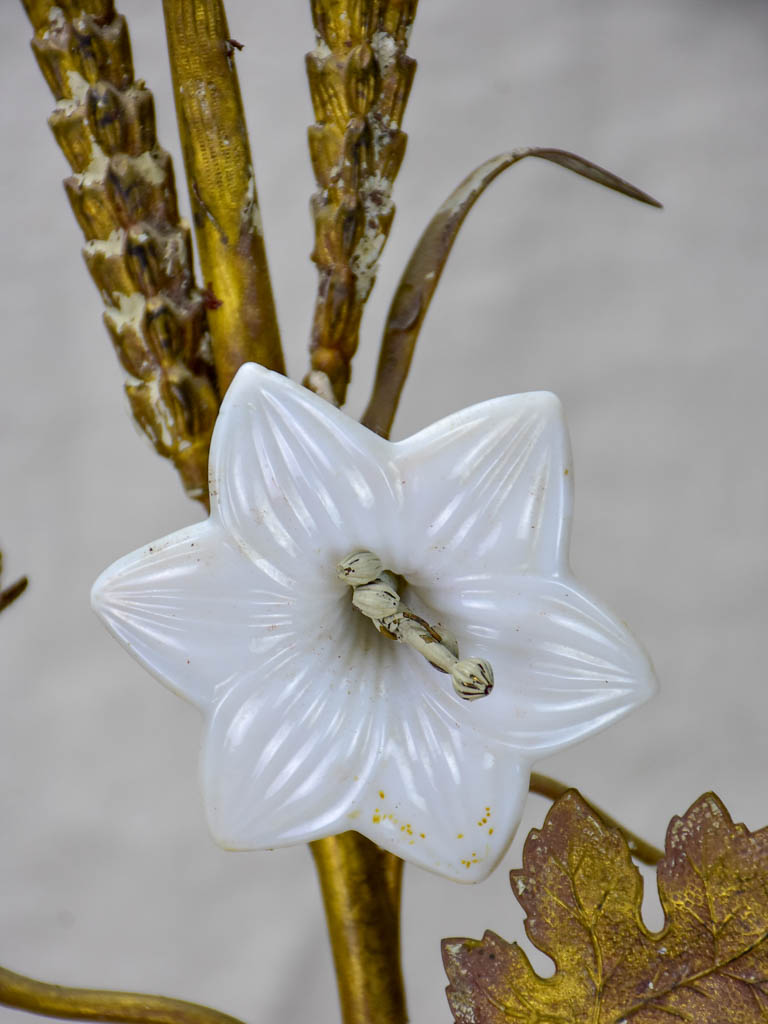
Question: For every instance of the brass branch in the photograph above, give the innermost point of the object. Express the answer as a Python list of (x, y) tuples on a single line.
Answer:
[(222, 186), (359, 80), (139, 254), (38, 997), (361, 894)]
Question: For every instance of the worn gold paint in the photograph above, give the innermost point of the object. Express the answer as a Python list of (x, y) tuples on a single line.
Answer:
[(222, 187)]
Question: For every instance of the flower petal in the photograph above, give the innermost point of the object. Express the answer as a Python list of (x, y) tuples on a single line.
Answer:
[(564, 666), (488, 489), (316, 723), (194, 610), (290, 748), (441, 796), (295, 479)]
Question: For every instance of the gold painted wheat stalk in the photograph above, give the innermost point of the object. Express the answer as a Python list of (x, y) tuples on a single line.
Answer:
[(139, 253), (359, 80)]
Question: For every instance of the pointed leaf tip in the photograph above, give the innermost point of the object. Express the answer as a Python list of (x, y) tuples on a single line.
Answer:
[(585, 168)]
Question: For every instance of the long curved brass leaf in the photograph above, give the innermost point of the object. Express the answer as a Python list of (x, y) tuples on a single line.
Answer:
[(422, 273), (93, 1004)]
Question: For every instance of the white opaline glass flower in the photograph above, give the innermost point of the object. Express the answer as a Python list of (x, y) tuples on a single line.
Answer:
[(316, 723)]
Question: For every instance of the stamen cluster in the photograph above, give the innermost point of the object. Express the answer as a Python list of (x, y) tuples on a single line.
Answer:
[(375, 594)]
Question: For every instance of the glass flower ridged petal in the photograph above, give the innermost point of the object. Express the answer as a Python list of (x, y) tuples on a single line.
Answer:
[(315, 722)]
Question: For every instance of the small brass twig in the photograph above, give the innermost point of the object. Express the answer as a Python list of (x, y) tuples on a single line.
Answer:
[(38, 997), (9, 595)]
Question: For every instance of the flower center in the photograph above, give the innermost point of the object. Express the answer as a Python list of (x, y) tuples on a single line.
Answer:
[(375, 594)]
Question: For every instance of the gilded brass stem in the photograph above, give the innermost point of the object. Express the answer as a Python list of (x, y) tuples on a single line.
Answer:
[(222, 187), (361, 893), (543, 785), (93, 1004)]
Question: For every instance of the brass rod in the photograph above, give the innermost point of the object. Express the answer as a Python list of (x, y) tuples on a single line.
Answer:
[(361, 893), (222, 188), (38, 997)]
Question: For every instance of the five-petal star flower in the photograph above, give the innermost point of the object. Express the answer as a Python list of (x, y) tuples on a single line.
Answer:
[(315, 722)]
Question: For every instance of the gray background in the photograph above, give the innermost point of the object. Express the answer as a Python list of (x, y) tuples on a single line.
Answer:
[(650, 326)]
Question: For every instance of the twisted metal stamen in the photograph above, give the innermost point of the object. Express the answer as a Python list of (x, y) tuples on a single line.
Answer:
[(375, 594)]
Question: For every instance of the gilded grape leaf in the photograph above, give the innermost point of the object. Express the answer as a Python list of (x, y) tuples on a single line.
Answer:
[(582, 896)]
